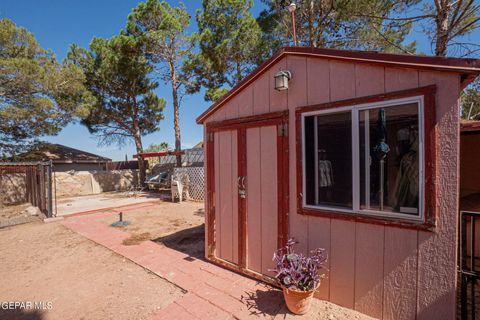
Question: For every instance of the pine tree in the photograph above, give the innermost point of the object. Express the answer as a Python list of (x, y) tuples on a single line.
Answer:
[(230, 46), (341, 24), (164, 30), (121, 102), (38, 96)]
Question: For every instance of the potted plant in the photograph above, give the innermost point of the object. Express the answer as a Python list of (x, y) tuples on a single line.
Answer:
[(299, 275)]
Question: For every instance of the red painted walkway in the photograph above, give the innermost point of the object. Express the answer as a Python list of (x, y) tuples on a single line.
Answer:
[(211, 292)]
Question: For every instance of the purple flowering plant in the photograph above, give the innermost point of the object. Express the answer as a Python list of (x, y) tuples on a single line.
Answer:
[(296, 271)]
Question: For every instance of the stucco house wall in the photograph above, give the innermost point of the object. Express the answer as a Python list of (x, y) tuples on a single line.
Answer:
[(383, 271)]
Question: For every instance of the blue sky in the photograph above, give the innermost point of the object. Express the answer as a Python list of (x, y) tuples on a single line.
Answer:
[(58, 23)]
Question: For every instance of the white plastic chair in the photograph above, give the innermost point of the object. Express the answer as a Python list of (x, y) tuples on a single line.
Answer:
[(177, 190), (179, 185)]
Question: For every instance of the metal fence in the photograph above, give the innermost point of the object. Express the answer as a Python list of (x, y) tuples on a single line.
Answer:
[(124, 165), (469, 265), (192, 157), (27, 182)]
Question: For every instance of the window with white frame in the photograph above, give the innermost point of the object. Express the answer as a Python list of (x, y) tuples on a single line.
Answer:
[(365, 159)]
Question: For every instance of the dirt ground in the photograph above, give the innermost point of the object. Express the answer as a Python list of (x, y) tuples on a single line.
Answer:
[(83, 280), (323, 310), (49, 263), (9, 212), (178, 226)]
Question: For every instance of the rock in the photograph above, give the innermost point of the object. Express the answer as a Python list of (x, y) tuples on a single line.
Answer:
[(32, 211)]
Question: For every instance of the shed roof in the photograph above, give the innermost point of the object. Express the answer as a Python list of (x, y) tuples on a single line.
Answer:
[(468, 69), (61, 154)]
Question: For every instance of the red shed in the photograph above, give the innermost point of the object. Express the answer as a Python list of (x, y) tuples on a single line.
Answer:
[(355, 152)]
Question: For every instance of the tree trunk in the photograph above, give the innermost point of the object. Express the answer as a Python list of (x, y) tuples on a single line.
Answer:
[(137, 136), (176, 114), (142, 170), (239, 72), (442, 23)]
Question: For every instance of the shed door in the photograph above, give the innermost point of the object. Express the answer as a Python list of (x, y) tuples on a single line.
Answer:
[(262, 198), (251, 193), (226, 196)]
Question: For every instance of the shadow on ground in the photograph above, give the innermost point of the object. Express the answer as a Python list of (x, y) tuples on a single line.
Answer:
[(264, 303), (189, 241), (18, 314), (200, 212)]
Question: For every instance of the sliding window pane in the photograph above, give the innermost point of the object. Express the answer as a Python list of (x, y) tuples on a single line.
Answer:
[(328, 160), (389, 159)]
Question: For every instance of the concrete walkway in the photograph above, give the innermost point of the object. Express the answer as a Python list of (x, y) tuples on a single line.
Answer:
[(102, 202), (211, 292)]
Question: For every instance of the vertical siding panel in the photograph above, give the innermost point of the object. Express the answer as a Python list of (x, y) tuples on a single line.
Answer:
[(397, 79), (218, 198), (437, 250), (219, 115), (268, 174), (261, 94), (231, 108), (254, 223), (369, 269), (369, 242), (245, 102), (319, 237), (278, 99), (318, 81), (342, 254), (206, 204), (226, 202), (342, 263), (369, 80), (400, 274), (342, 80), (400, 261), (235, 236), (297, 96), (318, 91)]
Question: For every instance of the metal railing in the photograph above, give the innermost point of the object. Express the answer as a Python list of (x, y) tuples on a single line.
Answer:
[(469, 264)]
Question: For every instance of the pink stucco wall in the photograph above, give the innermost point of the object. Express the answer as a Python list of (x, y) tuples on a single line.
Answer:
[(383, 271)]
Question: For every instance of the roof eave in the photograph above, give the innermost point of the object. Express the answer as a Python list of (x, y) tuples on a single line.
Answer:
[(468, 68)]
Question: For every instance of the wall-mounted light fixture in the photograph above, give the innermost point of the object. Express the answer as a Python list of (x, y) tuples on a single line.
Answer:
[(281, 80)]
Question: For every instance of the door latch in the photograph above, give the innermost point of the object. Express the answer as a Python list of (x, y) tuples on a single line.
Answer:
[(242, 190)]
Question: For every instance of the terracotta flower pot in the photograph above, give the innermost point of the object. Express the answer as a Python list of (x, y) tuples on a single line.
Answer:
[(298, 302)]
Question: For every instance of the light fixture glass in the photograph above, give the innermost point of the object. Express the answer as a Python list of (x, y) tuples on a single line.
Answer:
[(281, 80), (292, 7)]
